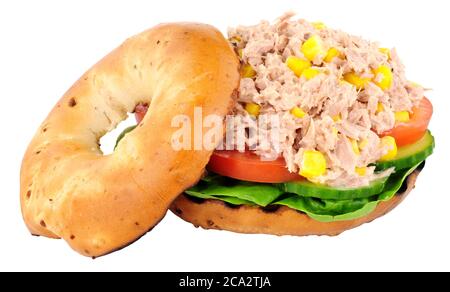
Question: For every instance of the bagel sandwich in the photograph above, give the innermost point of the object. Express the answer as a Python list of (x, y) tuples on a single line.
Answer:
[(349, 138), (352, 135)]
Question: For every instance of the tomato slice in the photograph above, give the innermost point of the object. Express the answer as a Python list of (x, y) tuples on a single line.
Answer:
[(140, 111), (247, 166), (412, 131)]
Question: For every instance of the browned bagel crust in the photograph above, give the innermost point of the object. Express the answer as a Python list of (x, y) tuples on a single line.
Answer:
[(99, 203), (214, 214)]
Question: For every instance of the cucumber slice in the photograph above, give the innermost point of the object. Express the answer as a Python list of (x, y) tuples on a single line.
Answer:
[(309, 189), (410, 155)]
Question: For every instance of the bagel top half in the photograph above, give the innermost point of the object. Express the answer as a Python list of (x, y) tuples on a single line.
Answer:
[(99, 203)]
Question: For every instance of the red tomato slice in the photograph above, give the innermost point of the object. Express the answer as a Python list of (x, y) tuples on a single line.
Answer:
[(247, 166), (140, 111), (412, 131)]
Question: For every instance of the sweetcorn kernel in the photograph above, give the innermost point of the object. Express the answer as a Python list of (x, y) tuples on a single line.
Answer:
[(331, 54), (356, 80), (345, 83), (355, 146), (247, 71), (380, 108), (335, 132), (363, 144), (312, 48), (385, 51), (297, 65), (385, 81), (235, 39), (253, 109), (298, 112), (319, 25), (361, 171), (310, 73), (402, 117), (337, 118), (389, 142), (313, 164)]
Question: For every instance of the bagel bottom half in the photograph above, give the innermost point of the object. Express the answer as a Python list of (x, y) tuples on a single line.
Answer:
[(215, 214)]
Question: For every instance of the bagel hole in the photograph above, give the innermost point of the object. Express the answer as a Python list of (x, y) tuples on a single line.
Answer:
[(108, 141)]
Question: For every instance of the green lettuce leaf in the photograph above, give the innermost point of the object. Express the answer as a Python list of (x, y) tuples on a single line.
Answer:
[(247, 193), (395, 182), (221, 187), (123, 134), (323, 207), (393, 185), (230, 200)]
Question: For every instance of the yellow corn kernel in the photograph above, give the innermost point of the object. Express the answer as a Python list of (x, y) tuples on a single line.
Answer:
[(361, 171), (240, 53), (235, 40), (363, 144), (247, 71), (385, 51), (355, 146), (312, 48), (313, 164), (310, 73), (253, 109), (389, 143), (337, 118), (355, 80), (402, 117), (297, 65), (335, 132), (380, 108), (319, 25), (385, 82), (331, 54), (345, 83), (298, 112)]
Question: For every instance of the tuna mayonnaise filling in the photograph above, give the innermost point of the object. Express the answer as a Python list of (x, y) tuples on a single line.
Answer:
[(332, 91)]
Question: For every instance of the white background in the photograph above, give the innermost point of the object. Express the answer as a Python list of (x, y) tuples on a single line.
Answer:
[(46, 45)]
